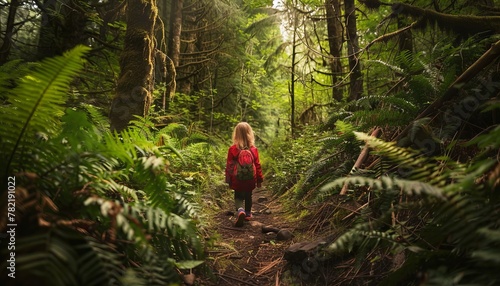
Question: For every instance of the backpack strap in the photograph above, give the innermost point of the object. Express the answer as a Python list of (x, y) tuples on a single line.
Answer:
[(245, 148)]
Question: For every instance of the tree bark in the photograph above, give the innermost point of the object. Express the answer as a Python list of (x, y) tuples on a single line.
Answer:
[(335, 30), (62, 30), (174, 49), (464, 25), (189, 67), (356, 81), (135, 83), (292, 76), (9, 32)]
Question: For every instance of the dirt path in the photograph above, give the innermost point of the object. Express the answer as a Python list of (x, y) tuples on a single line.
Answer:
[(245, 255)]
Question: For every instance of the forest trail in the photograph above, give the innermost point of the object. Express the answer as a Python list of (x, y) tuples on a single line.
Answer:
[(246, 255)]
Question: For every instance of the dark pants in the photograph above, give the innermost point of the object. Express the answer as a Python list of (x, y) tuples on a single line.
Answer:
[(240, 197)]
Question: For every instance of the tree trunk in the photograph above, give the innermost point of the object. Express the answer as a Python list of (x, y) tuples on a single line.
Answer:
[(62, 27), (186, 74), (174, 49), (335, 29), (9, 31), (356, 81), (47, 42), (135, 84), (292, 79)]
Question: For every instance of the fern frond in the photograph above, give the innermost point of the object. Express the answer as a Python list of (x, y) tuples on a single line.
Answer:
[(128, 145), (408, 60), (48, 257), (37, 103), (143, 128), (339, 115), (387, 183), (98, 264), (198, 137), (376, 117), (184, 207), (175, 130), (10, 72), (390, 66), (400, 104), (487, 141), (96, 116)]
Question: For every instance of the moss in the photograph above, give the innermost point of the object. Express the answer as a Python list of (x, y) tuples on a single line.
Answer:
[(464, 25), (135, 84)]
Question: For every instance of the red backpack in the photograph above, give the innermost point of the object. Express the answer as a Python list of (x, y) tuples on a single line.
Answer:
[(244, 168)]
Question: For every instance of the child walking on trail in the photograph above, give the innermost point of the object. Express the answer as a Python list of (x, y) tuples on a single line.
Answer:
[(243, 170)]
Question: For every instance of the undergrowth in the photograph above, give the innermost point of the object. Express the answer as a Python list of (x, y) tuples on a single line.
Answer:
[(94, 207)]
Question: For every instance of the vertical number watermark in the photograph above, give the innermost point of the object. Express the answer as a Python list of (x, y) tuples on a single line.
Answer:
[(11, 226)]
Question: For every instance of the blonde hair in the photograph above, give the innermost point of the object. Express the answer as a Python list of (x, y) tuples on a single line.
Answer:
[(243, 136)]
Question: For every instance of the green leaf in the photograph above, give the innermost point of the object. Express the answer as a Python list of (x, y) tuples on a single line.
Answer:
[(188, 264)]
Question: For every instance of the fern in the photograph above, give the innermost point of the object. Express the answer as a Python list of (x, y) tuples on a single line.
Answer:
[(48, 257), (387, 102), (10, 72), (99, 263), (175, 130), (97, 117), (434, 210), (36, 103), (97, 208)]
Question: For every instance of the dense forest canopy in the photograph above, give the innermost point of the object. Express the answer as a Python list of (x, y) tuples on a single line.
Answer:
[(377, 122)]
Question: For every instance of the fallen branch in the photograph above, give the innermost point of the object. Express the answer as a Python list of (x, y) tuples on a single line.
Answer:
[(361, 158), (269, 266), (485, 60), (355, 211)]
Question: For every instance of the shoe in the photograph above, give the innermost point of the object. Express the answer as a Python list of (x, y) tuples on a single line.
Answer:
[(240, 219), (248, 215)]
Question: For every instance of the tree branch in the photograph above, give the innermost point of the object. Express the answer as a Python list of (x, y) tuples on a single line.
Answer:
[(486, 59)]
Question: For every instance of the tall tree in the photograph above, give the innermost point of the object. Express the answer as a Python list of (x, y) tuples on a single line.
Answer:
[(335, 30), (293, 67), (195, 17), (173, 50), (356, 80), (135, 84), (9, 31), (174, 43), (63, 26)]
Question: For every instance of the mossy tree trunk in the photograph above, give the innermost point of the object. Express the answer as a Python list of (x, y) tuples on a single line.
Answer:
[(135, 84)]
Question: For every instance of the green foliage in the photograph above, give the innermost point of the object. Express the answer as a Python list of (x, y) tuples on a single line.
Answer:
[(432, 210), (288, 160), (36, 104), (329, 158), (93, 207)]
